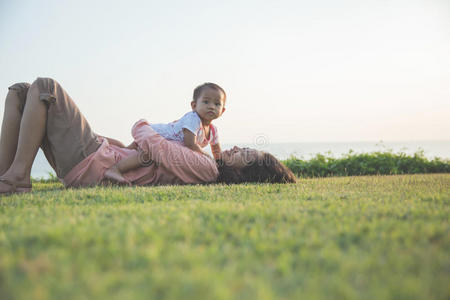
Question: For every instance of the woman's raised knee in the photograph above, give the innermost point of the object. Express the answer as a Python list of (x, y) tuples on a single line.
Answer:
[(45, 87), (44, 83), (17, 95)]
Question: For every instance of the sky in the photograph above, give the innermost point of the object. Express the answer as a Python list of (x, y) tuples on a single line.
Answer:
[(294, 71)]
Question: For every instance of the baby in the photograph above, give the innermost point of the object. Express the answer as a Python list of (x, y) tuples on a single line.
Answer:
[(194, 129)]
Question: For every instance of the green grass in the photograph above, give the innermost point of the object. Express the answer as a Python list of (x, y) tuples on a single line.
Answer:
[(379, 237)]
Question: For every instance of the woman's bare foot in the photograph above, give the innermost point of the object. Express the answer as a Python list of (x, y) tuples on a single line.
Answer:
[(114, 174), (10, 187), (11, 184)]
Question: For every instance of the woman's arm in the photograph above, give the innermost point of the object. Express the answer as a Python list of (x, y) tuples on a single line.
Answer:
[(112, 141)]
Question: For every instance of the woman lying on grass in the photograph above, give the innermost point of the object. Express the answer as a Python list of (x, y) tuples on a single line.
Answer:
[(43, 115)]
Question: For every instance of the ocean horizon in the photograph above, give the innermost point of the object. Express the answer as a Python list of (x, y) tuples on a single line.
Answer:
[(307, 150)]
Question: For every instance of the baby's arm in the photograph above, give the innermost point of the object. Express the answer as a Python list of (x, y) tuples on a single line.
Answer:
[(190, 141), (216, 150)]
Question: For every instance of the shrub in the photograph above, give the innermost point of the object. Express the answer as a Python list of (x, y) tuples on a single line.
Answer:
[(374, 163)]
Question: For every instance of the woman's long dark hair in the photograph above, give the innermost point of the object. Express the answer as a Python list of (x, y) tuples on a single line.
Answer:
[(266, 169)]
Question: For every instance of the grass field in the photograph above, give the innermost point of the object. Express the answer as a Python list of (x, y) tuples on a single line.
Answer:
[(379, 237)]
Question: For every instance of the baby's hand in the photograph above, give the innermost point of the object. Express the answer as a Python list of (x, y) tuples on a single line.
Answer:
[(207, 154)]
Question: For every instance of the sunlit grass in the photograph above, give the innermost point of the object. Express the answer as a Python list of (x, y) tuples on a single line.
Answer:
[(379, 237)]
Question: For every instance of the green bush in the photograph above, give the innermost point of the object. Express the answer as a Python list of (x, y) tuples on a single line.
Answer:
[(52, 178), (375, 163)]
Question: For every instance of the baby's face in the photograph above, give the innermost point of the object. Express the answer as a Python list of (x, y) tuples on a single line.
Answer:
[(210, 104)]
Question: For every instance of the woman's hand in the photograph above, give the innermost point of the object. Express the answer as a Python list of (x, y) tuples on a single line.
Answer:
[(114, 142), (133, 145)]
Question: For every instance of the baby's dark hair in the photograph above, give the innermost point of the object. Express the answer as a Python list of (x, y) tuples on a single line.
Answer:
[(198, 90)]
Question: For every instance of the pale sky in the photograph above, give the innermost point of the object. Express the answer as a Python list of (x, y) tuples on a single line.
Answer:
[(294, 71)]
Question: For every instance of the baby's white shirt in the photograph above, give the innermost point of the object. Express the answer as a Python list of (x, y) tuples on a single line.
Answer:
[(191, 121)]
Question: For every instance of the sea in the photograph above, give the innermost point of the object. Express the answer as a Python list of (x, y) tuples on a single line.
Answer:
[(431, 149)]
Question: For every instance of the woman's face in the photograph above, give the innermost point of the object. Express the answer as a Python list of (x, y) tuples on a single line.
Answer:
[(240, 157)]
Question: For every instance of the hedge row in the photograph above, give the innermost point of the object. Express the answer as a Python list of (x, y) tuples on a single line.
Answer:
[(375, 163)]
